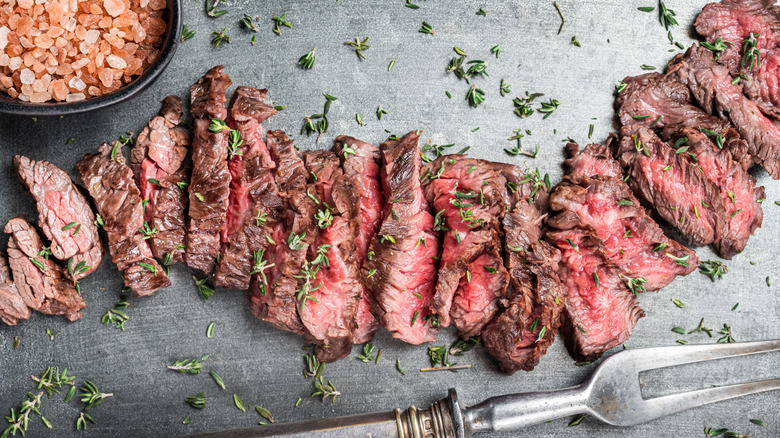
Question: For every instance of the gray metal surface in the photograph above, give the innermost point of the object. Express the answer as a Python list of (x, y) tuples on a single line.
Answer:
[(264, 365)]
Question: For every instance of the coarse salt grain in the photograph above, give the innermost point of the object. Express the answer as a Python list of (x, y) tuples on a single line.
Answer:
[(26, 76), (77, 84), (92, 36), (75, 97), (4, 31), (116, 62)]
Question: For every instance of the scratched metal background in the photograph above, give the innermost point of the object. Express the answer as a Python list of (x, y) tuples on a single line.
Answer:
[(264, 365)]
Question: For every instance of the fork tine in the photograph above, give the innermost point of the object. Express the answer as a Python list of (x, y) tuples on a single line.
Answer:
[(670, 404), (661, 357)]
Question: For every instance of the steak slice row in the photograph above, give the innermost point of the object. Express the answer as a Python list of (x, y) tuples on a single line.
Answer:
[(110, 183), (667, 181), (161, 170), (600, 312), (12, 306), (400, 269), (360, 163), (519, 336), (41, 283), (210, 181), (64, 214), (252, 188), (468, 197), (273, 292)]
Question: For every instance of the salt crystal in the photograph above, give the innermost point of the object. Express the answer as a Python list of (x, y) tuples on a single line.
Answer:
[(116, 62), (114, 7), (70, 24), (77, 84), (15, 63), (44, 41), (34, 31), (4, 31), (4, 60), (92, 36), (75, 97), (25, 4), (84, 47), (23, 97), (27, 76), (39, 86), (40, 97), (26, 89)]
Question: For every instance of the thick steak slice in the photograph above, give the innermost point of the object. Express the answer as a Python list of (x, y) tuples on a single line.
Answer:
[(360, 162), (667, 181), (12, 306), (600, 311), (738, 191), (65, 215), (400, 269), (252, 187), (329, 310), (161, 170), (273, 293), (46, 290), (632, 240), (110, 183), (535, 295), (210, 182), (595, 159), (468, 197), (710, 85)]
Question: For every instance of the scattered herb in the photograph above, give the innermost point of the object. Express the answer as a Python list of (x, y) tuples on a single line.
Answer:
[(279, 22), (187, 366), (325, 391), (577, 420), (636, 285), (197, 401), (750, 53), (575, 42), (727, 337), (186, 33), (701, 328), (265, 413), (379, 112), (368, 353), (504, 88), (426, 28), (91, 395), (713, 268), (398, 367), (482, 12), (560, 13), (496, 50), (391, 65), (117, 315), (218, 380), (666, 15), (717, 47), (678, 303), (239, 404), (647, 67), (220, 37), (81, 422), (307, 61), (359, 46)]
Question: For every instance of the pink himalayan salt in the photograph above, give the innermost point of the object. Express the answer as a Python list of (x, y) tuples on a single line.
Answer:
[(114, 7)]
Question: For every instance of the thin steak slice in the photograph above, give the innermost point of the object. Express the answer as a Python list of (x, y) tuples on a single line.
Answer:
[(632, 240), (738, 191), (595, 159), (360, 162), (468, 197), (161, 170), (210, 182), (711, 86), (600, 312), (667, 181), (40, 282), (520, 335), (328, 311), (252, 187), (12, 306), (110, 183), (65, 215), (400, 269), (274, 291)]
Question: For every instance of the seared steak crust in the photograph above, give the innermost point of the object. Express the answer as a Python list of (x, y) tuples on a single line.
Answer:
[(12, 306), (110, 183), (65, 215)]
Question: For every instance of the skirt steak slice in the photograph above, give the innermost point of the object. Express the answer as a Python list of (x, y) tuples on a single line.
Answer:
[(12, 306)]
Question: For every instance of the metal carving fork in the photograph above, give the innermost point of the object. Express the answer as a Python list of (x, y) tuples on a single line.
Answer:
[(612, 394)]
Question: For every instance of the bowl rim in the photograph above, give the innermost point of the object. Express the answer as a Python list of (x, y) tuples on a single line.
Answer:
[(10, 105)]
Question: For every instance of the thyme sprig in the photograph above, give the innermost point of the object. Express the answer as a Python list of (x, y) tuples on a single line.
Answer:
[(359, 46), (187, 366), (717, 47), (247, 23), (52, 378), (204, 289), (368, 353), (117, 315), (307, 61), (211, 8), (426, 29), (714, 269), (234, 143), (220, 37), (92, 396), (197, 401), (20, 421), (750, 53), (475, 96), (279, 22), (81, 422), (186, 33), (325, 390)]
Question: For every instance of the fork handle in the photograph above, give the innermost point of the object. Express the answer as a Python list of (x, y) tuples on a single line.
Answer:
[(513, 412)]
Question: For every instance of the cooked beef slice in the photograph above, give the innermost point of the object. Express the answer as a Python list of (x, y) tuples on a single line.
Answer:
[(659, 101), (738, 191), (64, 214), (161, 170), (210, 182), (524, 185), (252, 188), (273, 294), (118, 200), (632, 239), (710, 84), (400, 270), (600, 312), (468, 198), (46, 289), (12, 306), (671, 184), (595, 159), (360, 163), (535, 296)]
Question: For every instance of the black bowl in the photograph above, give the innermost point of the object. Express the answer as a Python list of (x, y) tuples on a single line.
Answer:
[(172, 16)]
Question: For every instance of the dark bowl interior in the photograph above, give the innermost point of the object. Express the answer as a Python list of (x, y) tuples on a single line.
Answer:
[(172, 16)]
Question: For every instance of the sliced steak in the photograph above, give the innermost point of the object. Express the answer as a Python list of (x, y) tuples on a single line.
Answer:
[(595, 159), (632, 240), (360, 162), (41, 283), (110, 183), (468, 197), (667, 181), (400, 269), (252, 188), (65, 215), (711, 86), (210, 182), (161, 170), (12, 306), (738, 191), (273, 293), (600, 312), (520, 335)]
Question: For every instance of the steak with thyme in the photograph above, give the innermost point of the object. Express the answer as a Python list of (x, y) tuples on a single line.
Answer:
[(118, 200), (595, 159), (161, 170), (64, 214), (12, 306)]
